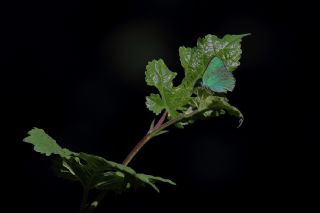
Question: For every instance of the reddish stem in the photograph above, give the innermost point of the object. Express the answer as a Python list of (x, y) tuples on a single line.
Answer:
[(154, 131), (144, 140), (161, 120)]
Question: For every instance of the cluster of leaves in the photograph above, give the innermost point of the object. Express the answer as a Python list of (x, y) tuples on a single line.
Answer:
[(92, 171), (189, 96)]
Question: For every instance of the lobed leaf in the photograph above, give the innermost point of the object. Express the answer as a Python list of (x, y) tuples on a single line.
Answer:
[(91, 170), (185, 98), (44, 144), (169, 98)]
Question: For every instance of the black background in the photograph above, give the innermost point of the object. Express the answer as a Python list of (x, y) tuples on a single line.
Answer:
[(76, 69)]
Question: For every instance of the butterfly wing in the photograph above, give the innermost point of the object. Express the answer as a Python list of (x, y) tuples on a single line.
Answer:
[(217, 77)]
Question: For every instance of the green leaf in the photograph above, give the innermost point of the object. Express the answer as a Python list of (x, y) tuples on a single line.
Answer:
[(96, 172), (227, 48), (91, 170), (155, 103), (151, 180), (44, 144), (170, 98), (194, 65), (208, 105), (195, 60), (183, 99), (205, 101)]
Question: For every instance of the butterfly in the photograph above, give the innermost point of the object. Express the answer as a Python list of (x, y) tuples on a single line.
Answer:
[(217, 78)]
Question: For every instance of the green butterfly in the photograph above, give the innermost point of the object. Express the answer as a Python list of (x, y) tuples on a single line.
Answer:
[(217, 78)]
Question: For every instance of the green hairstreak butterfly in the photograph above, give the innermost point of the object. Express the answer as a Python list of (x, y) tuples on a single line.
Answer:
[(217, 78)]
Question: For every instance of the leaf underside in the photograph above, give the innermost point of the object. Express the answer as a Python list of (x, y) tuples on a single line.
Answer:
[(92, 171)]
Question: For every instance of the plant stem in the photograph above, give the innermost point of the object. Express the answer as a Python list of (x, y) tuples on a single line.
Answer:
[(153, 132), (144, 140), (161, 120), (84, 200)]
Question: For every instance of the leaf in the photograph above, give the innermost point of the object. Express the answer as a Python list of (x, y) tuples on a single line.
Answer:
[(227, 48), (205, 101), (170, 98), (177, 100), (96, 172), (155, 103), (91, 170), (44, 144), (151, 180), (209, 105), (195, 60), (192, 60)]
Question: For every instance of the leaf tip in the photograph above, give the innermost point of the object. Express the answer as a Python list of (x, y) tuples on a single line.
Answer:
[(240, 122), (246, 34)]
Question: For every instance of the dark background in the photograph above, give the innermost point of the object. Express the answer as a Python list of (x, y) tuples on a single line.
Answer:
[(76, 69)]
